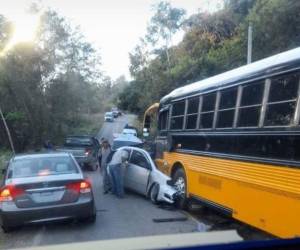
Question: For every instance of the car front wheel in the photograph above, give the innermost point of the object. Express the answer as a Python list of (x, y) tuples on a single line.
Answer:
[(179, 183), (154, 193)]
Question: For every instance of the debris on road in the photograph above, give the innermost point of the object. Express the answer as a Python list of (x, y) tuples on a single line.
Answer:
[(170, 219)]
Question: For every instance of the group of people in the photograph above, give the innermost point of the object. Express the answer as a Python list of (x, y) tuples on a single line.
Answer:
[(112, 165)]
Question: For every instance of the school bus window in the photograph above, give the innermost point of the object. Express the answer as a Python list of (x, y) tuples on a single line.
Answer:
[(227, 108), (228, 99), (176, 123), (209, 102), (251, 100), (252, 94), (249, 117), (178, 108), (280, 114), (177, 118), (284, 88), (208, 110), (163, 120), (192, 113), (282, 100)]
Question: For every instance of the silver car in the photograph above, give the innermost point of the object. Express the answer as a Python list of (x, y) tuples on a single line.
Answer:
[(142, 176), (44, 187)]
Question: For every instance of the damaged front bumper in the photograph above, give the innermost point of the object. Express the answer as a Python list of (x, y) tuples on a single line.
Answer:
[(167, 194)]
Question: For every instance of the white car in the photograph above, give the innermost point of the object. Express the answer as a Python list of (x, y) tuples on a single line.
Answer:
[(109, 117), (129, 131), (142, 176)]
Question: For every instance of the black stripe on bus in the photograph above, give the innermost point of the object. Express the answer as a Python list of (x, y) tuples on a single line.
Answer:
[(281, 163), (220, 208)]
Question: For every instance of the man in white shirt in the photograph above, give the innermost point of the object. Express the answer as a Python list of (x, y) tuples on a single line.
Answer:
[(117, 168)]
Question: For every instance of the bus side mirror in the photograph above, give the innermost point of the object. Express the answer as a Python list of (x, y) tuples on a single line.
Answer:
[(145, 132)]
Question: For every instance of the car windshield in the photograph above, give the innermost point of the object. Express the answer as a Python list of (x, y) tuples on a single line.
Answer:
[(42, 166)]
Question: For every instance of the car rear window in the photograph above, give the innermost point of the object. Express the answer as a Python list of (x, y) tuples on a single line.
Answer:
[(32, 167), (78, 141)]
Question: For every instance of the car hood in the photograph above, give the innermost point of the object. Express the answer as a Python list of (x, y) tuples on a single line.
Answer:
[(159, 177)]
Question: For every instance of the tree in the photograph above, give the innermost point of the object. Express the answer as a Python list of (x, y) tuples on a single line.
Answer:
[(212, 43), (164, 24), (46, 85)]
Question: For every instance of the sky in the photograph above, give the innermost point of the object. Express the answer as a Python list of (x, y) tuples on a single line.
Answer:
[(113, 26)]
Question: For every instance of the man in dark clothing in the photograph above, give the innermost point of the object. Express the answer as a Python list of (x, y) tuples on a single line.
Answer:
[(105, 154)]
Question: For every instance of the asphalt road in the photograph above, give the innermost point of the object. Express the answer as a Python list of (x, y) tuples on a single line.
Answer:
[(116, 218)]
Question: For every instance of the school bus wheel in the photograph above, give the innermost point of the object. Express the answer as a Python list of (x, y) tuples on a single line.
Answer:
[(179, 182)]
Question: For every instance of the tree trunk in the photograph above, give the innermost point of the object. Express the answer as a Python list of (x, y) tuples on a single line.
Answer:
[(8, 132)]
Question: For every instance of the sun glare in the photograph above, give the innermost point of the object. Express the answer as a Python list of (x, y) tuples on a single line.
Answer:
[(25, 27)]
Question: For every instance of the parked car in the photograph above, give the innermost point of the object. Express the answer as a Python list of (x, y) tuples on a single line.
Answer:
[(129, 131), (142, 176), (109, 117), (115, 112), (44, 187), (84, 148)]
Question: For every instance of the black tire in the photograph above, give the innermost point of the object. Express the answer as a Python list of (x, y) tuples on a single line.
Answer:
[(8, 229), (178, 179), (154, 193)]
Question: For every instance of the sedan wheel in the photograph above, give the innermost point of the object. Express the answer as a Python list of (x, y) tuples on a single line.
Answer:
[(154, 193)]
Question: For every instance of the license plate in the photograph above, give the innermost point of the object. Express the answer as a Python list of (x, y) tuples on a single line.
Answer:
[(47, 196)]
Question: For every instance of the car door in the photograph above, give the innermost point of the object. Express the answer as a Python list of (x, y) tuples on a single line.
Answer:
[(137, 172)]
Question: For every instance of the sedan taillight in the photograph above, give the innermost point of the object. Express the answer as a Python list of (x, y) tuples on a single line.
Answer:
[(80, 187), (10, 192)]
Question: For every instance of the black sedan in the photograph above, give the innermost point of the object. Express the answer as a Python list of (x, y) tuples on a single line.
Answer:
[(44, 187)]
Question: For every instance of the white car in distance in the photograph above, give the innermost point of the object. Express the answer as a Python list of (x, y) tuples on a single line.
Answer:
[(109, 117)]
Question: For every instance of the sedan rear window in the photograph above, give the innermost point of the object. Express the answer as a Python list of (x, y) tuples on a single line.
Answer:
[(78, 141), (21, 168)]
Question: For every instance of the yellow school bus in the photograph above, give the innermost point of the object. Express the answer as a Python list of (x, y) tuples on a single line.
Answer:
[(232, 142)]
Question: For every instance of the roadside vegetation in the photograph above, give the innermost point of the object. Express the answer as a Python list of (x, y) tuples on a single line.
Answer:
[(212, 43), (4, 157), (89, 124), (53, 86)]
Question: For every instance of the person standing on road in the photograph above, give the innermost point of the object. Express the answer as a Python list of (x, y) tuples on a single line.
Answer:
[(117, 169), (105, 152)]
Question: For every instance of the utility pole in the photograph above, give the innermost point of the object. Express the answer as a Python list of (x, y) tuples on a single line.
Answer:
[(249, 50), (8, 132)]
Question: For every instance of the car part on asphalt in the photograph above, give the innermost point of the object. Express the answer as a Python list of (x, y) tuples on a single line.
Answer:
[(170, 219)]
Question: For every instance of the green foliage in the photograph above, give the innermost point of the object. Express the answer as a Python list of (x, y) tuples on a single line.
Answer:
[(212, 43), (47, 86), (5, 155)]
